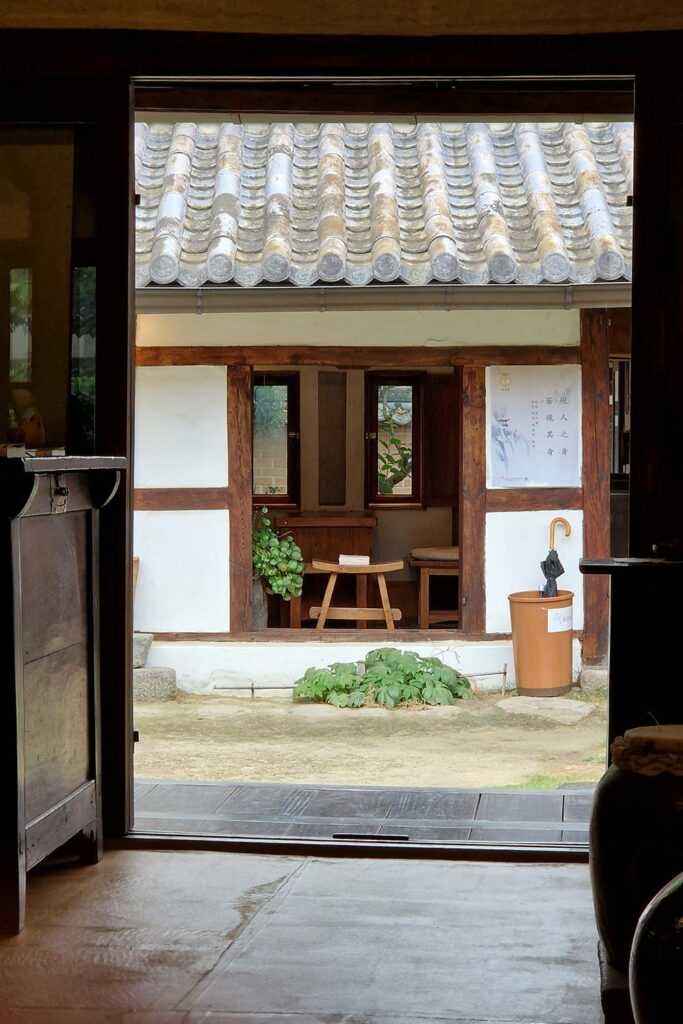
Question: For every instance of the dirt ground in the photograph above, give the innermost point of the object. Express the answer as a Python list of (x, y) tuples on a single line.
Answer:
[(270, 739)]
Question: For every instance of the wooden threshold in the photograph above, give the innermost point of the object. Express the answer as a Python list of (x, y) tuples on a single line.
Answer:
[(334, 636), (285, 635)]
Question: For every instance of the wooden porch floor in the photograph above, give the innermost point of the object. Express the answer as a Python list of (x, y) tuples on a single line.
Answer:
[(322, 812)]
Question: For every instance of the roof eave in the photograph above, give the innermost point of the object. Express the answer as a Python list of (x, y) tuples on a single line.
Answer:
[(174, 299)]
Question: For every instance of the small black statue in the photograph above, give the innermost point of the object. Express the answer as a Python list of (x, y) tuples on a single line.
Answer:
[(551, 568)]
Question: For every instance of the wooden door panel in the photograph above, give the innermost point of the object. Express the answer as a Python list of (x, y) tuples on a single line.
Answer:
[(53, 582), (57, 724)]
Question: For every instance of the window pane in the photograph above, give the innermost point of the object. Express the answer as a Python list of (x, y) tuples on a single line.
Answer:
[(83, 333), (47, 312), (20, 324), (270, 439), (394, 439)]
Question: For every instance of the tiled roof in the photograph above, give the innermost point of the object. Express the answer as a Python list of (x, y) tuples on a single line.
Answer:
[(355, 203)]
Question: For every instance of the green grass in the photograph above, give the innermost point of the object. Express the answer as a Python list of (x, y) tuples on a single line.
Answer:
[(538, 782)]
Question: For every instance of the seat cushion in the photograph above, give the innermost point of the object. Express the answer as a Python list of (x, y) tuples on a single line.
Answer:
[(436, 554)]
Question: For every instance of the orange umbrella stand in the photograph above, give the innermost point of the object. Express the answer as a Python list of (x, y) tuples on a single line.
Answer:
[(542, 642)]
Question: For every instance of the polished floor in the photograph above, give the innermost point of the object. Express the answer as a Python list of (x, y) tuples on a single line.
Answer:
[(413, 815), (216, 938)]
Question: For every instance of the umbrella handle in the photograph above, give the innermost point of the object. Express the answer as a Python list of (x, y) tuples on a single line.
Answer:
[(553, 524)]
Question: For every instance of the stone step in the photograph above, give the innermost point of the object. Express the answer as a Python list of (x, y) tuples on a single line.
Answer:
[(141, 645), (154, 684)]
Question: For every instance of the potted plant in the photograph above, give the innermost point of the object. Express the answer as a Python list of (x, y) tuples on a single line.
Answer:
[(278, 566)]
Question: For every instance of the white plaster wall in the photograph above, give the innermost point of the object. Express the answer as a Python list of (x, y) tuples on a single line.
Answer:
[(183, 580), (203, 667), (364, 327), (516, 542), (181, 426)]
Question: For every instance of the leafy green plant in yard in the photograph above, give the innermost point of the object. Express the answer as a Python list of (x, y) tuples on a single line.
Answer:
[(388, 677)]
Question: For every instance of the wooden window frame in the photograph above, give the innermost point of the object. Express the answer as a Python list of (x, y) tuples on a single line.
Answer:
[(374, 380), (292, 497)]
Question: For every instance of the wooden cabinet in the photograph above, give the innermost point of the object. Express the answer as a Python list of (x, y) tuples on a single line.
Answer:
[(50, 717)]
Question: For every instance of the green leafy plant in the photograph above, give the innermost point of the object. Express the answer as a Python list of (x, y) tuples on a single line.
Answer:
[(394, 457), (388, 677), (276, 558)]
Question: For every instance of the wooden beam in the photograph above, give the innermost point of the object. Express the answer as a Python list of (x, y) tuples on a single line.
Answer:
[(569, 96), (353, 357), (619, 331), (473, 500), (168, 499), (239, 470), (331, 635), (596, 477), (533, 499)]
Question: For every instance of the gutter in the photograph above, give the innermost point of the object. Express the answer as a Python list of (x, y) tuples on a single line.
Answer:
[(213, 299)]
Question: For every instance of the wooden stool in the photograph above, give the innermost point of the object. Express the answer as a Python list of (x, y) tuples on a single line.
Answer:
[(432, 565), (326, 611)]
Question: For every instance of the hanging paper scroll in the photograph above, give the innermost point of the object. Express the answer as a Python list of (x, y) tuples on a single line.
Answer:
[(534, 421)]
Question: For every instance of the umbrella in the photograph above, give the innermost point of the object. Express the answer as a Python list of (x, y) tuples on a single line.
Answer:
[(551, 566)]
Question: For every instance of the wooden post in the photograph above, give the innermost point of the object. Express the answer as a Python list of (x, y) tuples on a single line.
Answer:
[(239, 470), (656, 497), (473, 500), (596, 477)]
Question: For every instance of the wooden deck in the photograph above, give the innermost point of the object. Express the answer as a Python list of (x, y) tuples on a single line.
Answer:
[(420, 815)]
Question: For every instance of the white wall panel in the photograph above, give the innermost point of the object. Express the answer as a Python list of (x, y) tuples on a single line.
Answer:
[(432, 327), (181, 426), (516, 542), (183, 579)]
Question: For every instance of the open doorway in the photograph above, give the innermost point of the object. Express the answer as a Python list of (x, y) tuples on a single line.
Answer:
[(377, 422)]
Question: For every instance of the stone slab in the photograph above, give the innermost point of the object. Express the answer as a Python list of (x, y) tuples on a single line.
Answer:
[(154, 684), (554, 709), (594, 678), (141, 645)]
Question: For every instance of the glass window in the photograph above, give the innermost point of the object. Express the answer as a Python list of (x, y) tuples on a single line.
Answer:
[(275, 463), (393, 433), (47, 289)]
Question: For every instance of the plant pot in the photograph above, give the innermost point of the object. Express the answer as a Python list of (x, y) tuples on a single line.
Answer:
[(542, 642), (259, 604)]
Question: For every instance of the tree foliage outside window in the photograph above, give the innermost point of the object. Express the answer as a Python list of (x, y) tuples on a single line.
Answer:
[(270, 408), (394, 456)]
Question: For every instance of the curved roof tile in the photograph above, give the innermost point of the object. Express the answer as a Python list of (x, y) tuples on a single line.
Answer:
[(356, 203)]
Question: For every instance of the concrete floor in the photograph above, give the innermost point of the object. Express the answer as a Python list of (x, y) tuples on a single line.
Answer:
[(188, 937)]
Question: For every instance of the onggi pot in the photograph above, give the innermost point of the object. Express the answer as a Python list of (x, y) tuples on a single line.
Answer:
[(636, 832), (657, 958)]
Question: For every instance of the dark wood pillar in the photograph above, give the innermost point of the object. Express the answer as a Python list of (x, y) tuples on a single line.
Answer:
[(596, 477), (239, 480), (656, 501), (115, 363), (473, 500), (645, 607)]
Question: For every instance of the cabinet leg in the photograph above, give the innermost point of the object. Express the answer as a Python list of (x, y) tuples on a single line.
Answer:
[(12, 898), (88, 843)]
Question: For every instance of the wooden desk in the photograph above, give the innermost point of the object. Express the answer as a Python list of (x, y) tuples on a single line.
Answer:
[(325, 536)]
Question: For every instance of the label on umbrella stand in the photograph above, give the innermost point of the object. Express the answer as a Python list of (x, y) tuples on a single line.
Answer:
[(560, 619)]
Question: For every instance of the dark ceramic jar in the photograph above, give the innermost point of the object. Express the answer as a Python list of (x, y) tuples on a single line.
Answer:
[(636, 833), (657, 958)]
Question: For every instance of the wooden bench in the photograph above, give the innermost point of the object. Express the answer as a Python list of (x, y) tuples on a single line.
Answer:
[(328, 611), (434, 566)]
